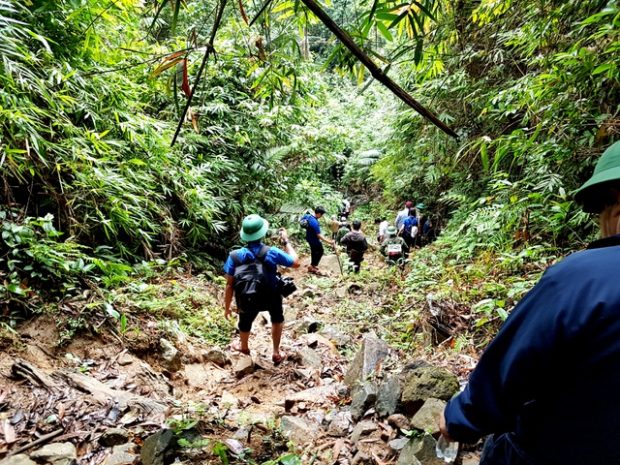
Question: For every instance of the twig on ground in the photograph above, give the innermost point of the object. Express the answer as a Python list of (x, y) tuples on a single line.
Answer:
[(36, 442)]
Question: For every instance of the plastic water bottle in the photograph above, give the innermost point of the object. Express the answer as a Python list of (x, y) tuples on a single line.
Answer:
[(446, 450)]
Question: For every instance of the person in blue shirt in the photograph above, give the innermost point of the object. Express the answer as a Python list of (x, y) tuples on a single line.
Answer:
[(409, 229), (253, 230), (314, 238), (548, 386)]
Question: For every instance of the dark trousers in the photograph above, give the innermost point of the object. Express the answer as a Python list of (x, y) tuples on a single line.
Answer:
[(356, 257), (316, 253), (501, 449)]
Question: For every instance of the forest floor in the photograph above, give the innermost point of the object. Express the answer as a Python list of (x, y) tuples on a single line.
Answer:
[(106, 394)]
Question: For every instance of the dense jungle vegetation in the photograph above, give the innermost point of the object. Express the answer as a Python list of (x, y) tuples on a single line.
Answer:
[(95, 194)]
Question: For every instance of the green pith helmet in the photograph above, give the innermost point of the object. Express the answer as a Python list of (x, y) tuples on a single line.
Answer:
[(391, 231), (591, 195), (420, 206), (253, 228)]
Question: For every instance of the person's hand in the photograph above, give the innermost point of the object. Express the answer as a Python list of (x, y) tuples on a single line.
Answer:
[(227, 313), (443, 428), (283, 235)]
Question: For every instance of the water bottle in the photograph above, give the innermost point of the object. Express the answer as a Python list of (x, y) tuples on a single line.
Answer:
[(446, 450)]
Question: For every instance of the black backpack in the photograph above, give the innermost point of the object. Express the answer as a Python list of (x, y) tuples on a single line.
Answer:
[(304, 222), (251, 285)]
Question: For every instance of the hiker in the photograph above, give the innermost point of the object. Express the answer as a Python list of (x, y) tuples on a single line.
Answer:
[(356, 245), (334, 226), (344, 229), (428, 232), (393, 247), (547, 386), (409, 230), (346, 208), (314, 238), (257, 265), (420, 209), (404, 213), (382, 235)]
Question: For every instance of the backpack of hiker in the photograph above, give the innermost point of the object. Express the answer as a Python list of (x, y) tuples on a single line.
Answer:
[(410, 227), (304, 220), (393, 247), (251, 285)]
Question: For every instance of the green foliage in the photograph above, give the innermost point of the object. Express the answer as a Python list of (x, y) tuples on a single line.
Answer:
[(285, 459), (530, 86)]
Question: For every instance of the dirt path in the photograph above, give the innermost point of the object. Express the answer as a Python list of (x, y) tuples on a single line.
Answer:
[(223, 407)]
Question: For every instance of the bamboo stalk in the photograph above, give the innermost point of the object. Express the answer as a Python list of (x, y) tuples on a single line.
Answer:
[(205, 59)]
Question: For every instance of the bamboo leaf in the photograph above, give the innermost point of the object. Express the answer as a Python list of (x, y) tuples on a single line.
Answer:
[(385, 32)]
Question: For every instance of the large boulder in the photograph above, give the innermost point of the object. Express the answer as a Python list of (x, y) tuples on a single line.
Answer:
[(58, 453), (216, 356), (420, 451), (363, 397), (157, 447), (308, 357), (427, 418), (427, 382), (298, 429), (331, 264), (170, 355), (244, 366), (363, 428), (388, 396), (339, 424), (367, 361), (123, 454)]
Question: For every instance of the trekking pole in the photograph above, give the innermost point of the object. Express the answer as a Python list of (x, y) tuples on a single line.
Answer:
[(338, 258)]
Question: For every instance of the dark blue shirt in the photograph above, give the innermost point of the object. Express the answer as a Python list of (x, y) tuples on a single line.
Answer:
[(313, 230), (272, 259), (552, 374)]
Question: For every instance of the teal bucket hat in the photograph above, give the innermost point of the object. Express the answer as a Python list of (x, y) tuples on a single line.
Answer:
[(607, 169), (253, 228)]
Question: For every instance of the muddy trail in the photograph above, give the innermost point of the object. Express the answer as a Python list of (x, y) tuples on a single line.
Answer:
[(342, 396)]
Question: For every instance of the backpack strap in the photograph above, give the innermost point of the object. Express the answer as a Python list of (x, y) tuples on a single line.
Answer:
[(263, 252), (234, 255)]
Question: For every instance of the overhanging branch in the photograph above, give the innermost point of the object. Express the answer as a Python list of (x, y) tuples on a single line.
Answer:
[(374, 70)]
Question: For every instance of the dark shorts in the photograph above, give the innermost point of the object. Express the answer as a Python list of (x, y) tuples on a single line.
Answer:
[(273, 306), (316, 253), (502, 449)]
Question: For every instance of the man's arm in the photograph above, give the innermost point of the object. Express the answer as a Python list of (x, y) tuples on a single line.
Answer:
[(326, 240), (228, 295), (317, 230), (517, 364)]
